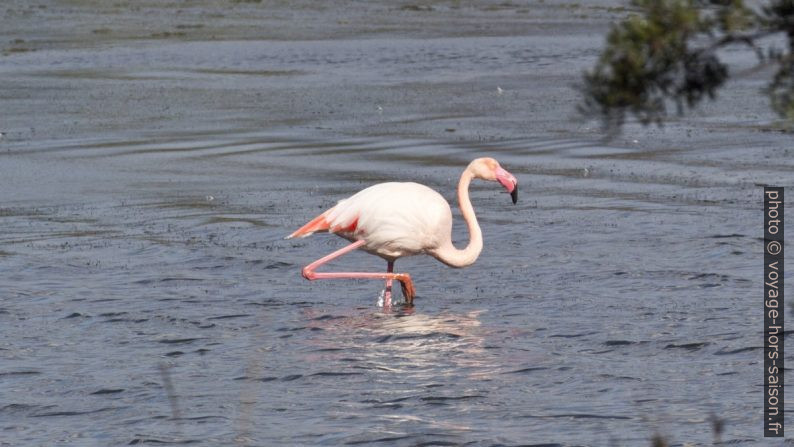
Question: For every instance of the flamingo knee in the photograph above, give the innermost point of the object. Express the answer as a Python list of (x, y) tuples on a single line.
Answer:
[(309, 273)]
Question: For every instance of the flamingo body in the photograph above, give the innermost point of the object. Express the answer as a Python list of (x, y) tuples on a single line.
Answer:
[(394, 219)]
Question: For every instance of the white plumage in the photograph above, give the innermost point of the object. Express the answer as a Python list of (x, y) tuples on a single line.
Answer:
[(395, 219)]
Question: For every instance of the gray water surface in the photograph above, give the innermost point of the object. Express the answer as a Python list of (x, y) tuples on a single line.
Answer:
[(147, 296)]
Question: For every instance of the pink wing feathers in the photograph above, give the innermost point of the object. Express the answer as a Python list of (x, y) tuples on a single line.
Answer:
[(332, 221)]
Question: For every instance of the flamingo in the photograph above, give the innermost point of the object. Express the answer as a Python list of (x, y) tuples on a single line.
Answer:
[(393, 220)]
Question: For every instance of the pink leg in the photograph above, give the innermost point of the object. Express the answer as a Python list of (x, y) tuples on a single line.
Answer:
[(387, 293), (404, 278)]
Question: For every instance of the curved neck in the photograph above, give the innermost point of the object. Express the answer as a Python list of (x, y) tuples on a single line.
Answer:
[(447, 253)]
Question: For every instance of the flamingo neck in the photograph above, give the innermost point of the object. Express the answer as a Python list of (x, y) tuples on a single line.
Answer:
[(450, 255)]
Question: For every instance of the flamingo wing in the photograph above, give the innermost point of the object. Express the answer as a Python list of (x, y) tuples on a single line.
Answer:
[(342, 218), (319, 223)]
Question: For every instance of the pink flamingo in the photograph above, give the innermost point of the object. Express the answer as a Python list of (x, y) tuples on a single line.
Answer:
[(392, 220)]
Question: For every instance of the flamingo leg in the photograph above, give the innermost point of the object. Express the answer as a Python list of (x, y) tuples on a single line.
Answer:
[(387, 292), (404, 278)]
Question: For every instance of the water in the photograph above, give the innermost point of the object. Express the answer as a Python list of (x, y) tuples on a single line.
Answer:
[(149, 298)]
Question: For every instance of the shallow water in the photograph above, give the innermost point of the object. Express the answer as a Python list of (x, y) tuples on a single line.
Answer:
[(149, 298)]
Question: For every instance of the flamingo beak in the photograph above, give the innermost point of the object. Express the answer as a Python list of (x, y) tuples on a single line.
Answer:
[(509, 182)]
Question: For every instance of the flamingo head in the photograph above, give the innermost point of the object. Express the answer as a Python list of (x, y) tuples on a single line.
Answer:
[(489, 169)]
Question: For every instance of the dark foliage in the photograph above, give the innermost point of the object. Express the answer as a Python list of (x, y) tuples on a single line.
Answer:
[(663, 56)]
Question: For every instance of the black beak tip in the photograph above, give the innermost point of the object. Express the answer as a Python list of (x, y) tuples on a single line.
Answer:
[(514, 194)]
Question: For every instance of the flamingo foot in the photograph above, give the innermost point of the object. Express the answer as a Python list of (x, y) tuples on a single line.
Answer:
[(387, 297), (384, 300), (408, 287), (387, 289)]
